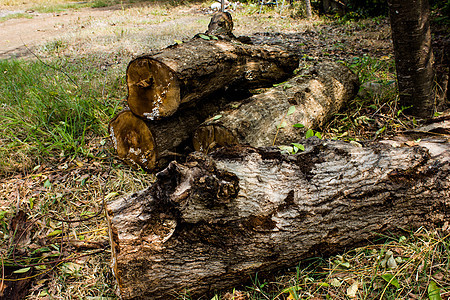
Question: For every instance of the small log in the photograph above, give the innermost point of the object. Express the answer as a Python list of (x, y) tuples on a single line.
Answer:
[(151, 145), (159, 83), (221, 24), (317, 93), (133, 139), (212, 222)]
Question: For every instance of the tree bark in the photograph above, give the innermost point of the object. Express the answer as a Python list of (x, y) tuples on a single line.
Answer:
[(262, 120), (308, 9), (208, 224), (411, 36), (159, 83)]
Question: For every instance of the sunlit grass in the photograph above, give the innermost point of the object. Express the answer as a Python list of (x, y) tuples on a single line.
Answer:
[(18, 15), (50, 110)]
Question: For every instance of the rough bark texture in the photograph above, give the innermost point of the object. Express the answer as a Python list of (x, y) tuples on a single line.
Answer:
[(308, 8), (208, 224), (317, 93), (159, 83), (411, 36)]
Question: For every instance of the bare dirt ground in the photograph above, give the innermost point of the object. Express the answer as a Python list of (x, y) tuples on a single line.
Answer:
[(18, 34), (138, 29), (101, 28)]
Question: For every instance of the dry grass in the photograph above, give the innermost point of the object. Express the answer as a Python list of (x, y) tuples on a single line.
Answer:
[(75, 189), (400, 268)]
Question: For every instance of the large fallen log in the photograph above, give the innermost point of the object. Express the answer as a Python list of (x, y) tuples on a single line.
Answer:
[(208, 224), (159, 83), (313, 97)]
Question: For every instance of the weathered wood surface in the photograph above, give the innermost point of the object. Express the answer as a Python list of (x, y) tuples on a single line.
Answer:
[(153, 144), (133, 140), (221, 24), (208, 224), (317, 93), (159, 83)]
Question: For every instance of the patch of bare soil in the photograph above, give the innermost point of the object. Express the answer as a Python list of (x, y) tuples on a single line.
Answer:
[(19, 34), (140, 29)]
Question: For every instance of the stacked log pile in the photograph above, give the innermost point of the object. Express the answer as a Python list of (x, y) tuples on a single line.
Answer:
[(169, 92), (172, 93)]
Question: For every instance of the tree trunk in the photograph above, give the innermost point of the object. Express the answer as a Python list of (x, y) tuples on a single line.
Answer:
[(308, 8), (413, 55), (210, 223), (158, 84), (316, 94), (133, 140)]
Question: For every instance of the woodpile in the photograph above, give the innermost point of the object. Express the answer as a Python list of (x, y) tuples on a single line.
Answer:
[(174, 91), (310, 98)]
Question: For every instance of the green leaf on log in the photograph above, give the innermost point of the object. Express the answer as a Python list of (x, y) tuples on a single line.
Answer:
[(205, 37)]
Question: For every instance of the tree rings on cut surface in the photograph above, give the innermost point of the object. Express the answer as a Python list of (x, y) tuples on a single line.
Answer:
[(153, 89), (133, 139)]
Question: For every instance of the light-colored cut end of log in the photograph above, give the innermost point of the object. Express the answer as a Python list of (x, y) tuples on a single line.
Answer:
[(221, 24), (133, 140), (153, 89), (209, 137)]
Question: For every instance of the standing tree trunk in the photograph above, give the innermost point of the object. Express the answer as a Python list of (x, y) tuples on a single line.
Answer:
[(308, 8), (413, 55)]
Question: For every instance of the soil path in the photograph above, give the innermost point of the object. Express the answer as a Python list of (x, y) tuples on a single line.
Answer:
[(16, 35)]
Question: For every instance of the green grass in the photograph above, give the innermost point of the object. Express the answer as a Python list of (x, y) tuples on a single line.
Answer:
[(373, 68), (56, 8), (374, 112), (16, 16), (52, 109)]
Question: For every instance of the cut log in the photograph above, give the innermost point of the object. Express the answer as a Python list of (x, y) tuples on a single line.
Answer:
[(316, 94), (159, 83), (212, 222), (133, 140), (151, 145), (221, 24)]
